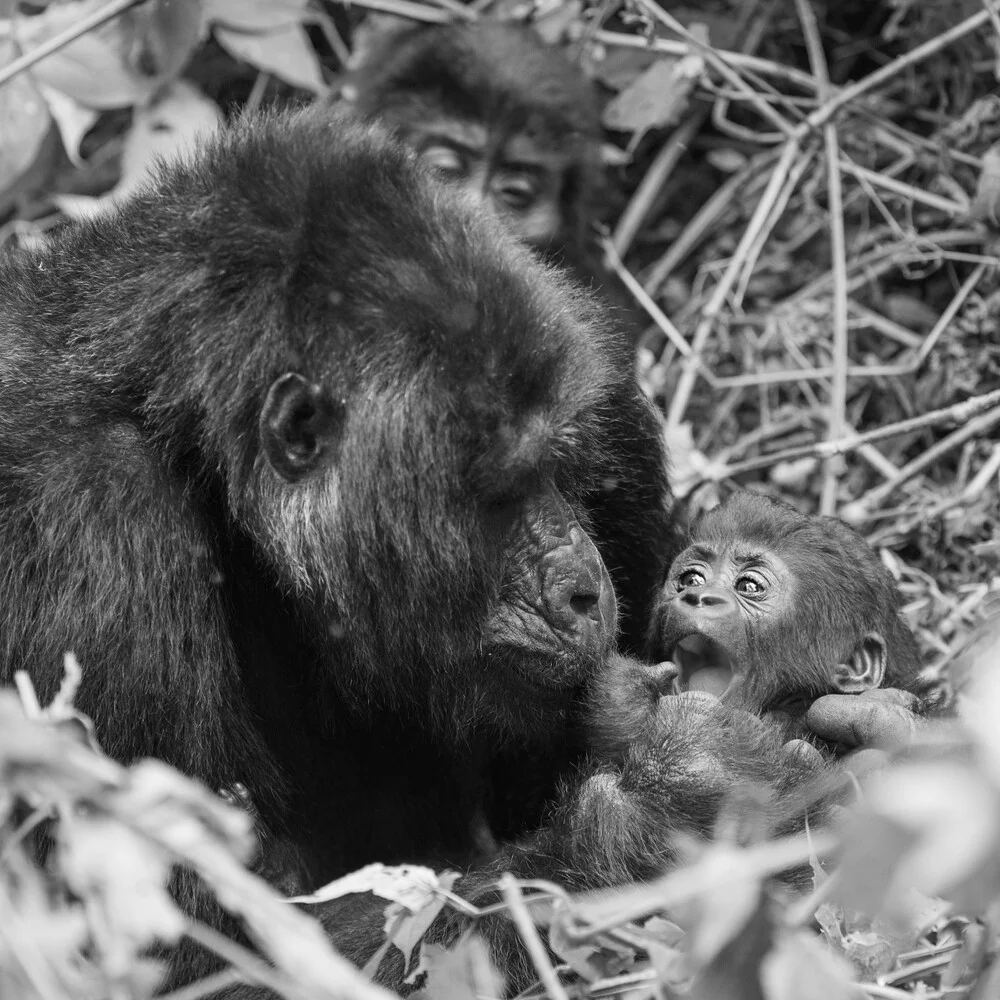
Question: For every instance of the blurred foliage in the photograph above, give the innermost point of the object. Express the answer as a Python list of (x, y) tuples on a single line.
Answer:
[(906, 888)]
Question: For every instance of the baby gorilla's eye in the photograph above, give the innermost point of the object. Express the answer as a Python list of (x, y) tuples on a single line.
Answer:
[(751, 585), (445, 161), (690, 578)]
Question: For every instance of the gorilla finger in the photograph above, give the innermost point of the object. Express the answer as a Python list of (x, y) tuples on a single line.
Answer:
[(860, 722), (803, 753)]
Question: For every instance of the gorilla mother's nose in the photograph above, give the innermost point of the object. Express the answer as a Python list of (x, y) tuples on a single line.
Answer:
[(576, 587)]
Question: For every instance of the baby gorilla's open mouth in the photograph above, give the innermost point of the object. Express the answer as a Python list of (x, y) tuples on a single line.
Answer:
[(704, 665)]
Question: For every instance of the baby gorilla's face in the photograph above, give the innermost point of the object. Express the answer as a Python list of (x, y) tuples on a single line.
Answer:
[(717, 611)]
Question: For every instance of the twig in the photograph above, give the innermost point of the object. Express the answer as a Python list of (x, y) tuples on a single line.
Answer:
[(695, 881), (407, 8), (721, 66), (977, 485), (876, 179), (457, 10), (994, 17), (689, 373), (656, 176), (331, 34), (887, 327), (737, 60), (656, 314), (802, 910), (883, 258), (956, 413), (887, 992), (949, 314), (838, 251), (257, 91), (756, 379), (777, 211), (251, 967), (26, 692), (744, 183), (206, 987), (34, 819), (858, 194), (878, 495), (870, 454), (529, 934), (64, 38), (875, 80), (676, 146)]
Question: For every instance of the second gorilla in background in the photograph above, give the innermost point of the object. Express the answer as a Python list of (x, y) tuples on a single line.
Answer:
[(508, 119)]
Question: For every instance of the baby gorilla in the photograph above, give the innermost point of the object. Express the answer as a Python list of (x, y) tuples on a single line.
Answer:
[(769, 609)]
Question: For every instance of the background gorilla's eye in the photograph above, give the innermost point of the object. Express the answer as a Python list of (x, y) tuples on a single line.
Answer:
[(518, 190), (690, 578), (445, 160)]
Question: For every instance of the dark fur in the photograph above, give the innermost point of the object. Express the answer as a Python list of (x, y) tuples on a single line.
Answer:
[(504, 77), (332, 642), (327, 643)]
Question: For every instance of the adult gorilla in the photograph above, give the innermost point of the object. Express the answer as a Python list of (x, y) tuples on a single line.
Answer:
[(326, 483)]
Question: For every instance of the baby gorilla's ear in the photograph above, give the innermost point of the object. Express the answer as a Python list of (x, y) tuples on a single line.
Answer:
[(865, 669)]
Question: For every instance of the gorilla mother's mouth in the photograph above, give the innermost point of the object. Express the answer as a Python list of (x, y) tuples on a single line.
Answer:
[(704, 664)]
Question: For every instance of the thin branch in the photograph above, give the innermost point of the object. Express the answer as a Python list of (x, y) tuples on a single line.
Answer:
[(691, 366), (957, 413), (838, 252), (949, 314), (744, 183), (251, 967), (737, 60), (777, 211), (883, 258), (721, 66), (875, 80), (407, 8), (529, 935), (878, 495), (207, 987), (882, 324), (655, 177), (876, 179), (656, 314)]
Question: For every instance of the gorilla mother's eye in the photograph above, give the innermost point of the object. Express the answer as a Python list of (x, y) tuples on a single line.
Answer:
[(690, 578), (445, 160)]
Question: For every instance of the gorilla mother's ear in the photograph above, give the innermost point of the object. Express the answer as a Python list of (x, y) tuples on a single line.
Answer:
[(300, 426), (865, 669)]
